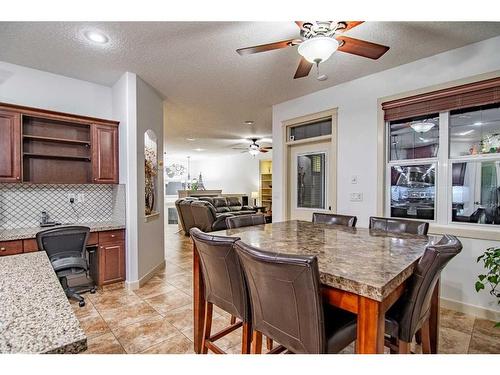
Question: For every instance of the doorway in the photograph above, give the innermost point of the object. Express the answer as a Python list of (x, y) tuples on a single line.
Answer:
[(310, 181)]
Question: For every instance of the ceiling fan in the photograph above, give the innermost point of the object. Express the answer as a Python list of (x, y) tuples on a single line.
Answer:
[(254, 148), (318, 41)]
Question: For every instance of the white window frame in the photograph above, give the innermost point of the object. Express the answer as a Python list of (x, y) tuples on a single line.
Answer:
[(443, 178)]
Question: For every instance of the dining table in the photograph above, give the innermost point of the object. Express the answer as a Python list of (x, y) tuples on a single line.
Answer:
[(363, 271)]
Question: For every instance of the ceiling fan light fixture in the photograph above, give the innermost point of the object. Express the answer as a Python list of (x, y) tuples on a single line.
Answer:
[(422, 127), (254, 151), (318, 49)]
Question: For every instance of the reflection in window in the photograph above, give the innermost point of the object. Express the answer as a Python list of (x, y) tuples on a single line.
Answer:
[(311, 181), (476, 192), (414, 138), (413, 191), (475, 131)]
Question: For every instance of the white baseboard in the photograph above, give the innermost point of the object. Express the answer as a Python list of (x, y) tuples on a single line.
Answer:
[(136, 284), (477, 311)]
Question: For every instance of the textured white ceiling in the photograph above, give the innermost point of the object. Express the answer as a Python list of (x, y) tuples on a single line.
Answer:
[(210, 89)]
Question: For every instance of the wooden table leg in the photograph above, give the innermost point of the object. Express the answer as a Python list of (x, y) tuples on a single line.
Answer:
[(434, 318), (198, 301), (371, 326)]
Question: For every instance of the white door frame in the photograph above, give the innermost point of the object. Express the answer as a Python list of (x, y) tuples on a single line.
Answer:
[(332, 187)]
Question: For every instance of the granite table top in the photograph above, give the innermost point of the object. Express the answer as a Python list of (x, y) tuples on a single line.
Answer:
[(358, 260), (35, 315), (25, 233)]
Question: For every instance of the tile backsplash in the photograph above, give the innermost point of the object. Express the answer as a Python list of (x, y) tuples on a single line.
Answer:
[(21, 204)]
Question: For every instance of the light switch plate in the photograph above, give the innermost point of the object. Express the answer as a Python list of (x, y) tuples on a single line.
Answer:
[(354, 180), (356, 197)]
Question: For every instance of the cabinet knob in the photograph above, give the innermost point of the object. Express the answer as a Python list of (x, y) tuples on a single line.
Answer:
[(113, 236), (17, 178), (2, 249)]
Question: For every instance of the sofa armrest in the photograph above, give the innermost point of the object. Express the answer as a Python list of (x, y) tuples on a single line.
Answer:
[(220, 222)]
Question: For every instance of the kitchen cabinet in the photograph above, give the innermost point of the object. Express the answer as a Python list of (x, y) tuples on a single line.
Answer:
[(11, 247), (10, 146), (105, 154), (40, 146), (111, 257)]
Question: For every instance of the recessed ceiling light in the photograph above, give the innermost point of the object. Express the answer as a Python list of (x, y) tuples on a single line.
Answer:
[(96, 37), (191, 139), (478, 123), (199, 149), (249, 122)]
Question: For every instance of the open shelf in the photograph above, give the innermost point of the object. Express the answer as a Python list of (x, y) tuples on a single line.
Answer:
[(57, 140), (60, 157)]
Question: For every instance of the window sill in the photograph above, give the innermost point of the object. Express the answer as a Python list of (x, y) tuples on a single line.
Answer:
[(479, 233)]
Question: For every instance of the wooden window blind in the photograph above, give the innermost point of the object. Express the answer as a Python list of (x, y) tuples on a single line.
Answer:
[(463, 96)]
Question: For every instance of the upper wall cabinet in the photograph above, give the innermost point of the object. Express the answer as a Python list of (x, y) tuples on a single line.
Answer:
[(10, 146), (104, 154), (39, 147)]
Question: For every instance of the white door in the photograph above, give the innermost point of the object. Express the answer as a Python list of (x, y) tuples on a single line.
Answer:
[(310, 173)]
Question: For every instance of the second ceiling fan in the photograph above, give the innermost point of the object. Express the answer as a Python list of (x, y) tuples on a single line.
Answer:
[(318, 41)]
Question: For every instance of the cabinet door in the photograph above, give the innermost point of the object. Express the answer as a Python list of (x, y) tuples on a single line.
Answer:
[(10, 146), (104, 154), (111, 263)]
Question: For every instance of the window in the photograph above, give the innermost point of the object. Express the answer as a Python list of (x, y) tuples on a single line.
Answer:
[(475, 131), (413, 191), (311, 181), (310, 130), (414, 138), (412, 183), (444, 167), (476, 192)]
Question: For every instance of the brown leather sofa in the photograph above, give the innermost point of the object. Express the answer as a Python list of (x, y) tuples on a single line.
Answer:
[(207, 213)]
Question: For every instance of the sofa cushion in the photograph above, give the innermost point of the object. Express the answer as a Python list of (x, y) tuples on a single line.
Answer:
[(221, 210), (206, 199), (219, 202)]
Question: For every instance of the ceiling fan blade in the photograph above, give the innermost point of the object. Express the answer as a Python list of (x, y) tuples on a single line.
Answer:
[(303, 69), (361, 47), (265, 47), (261, 150), (266, 148), (351, 25), (299, 24), (239, 148)]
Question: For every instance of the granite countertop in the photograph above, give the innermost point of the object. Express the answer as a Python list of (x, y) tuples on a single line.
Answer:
[(35, 315), (366, 262), (24, 233)]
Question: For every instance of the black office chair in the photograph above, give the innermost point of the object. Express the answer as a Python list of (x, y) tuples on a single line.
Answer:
[(66, 249)]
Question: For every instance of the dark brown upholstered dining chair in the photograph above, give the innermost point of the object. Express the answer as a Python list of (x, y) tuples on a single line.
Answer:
[(245, 220), (411, 312), (224, 287), (398, 225), (287, 306), (346, 220)]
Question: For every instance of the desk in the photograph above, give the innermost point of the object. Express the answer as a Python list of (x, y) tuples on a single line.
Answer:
[(35, 315), (362, 271)]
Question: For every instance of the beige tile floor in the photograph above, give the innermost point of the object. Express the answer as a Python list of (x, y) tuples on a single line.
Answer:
[(157, 318)]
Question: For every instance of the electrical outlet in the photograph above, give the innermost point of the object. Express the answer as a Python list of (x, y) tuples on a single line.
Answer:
[(356, 197), (80, 198), (71, 198)]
